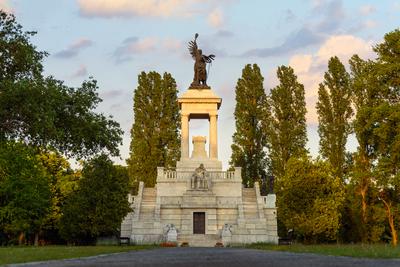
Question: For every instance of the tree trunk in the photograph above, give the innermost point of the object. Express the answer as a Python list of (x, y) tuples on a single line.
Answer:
[(390, 217), (21, 238), (36, 243), (364, 206)]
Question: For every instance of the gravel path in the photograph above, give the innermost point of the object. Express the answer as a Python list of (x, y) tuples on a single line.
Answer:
[(209, 257)]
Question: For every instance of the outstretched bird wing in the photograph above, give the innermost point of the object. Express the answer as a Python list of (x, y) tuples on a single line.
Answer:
[(208, 59), (192, 46)]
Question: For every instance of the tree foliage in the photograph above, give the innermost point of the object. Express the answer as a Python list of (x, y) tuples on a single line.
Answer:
[(155, 131), (376, 87), (25, 196), (312, 198), (99, 205), (334, 112), (287, 128), (42, 110), (62, 182), (250, 139)]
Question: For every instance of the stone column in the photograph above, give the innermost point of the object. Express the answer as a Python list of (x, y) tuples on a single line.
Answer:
[(213, 137), (184, 136)]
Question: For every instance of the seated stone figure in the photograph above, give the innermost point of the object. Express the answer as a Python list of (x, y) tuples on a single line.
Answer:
[(199, 179)]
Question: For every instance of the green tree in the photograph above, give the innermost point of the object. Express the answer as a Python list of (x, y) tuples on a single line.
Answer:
[(24, 192), (250, 138), (155, 131), (334, 113), (63, 181), (313, 198), (377, 93), (99, 205), (364, 208), (42, 110), (385, 127), (287, 128)]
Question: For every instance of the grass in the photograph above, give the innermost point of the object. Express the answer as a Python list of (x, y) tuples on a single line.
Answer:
[(20, 254), (384, 251)]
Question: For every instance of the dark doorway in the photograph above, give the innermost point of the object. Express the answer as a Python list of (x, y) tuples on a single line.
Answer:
[(199, 223)]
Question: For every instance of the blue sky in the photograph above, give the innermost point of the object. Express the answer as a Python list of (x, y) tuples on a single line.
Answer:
[(114, 40)]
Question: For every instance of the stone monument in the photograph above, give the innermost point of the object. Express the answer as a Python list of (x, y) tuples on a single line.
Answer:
[(198, 202)]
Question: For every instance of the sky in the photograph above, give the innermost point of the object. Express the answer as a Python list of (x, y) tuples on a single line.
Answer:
[(114, 40)]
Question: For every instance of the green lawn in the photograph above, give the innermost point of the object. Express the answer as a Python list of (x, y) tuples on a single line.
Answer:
[(356, 250), (27, 254)]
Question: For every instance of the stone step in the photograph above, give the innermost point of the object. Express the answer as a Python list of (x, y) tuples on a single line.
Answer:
[(147, 204), (147, 213), (250, 206), (199, 240), (251, 216), (146, 217), (149, 199)]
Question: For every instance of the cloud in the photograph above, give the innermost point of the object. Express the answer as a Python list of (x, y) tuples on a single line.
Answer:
[(310, 68), (134, 8), (215, 18), (367, 9), (333, 15), (327, 20), (302, 63), (82, 71), (135, 46), (112, 93), (369, 24), (343, 46), (74, 49), (172, 45), (289, 16), (5, 6), (224, 34), (300, 39)]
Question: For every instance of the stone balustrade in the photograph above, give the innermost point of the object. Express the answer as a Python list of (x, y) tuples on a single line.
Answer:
[(170, 175)]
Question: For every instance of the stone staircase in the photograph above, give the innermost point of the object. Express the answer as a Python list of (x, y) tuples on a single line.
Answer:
[(126, 225), (148, 205), (199, 240), (147, 230), (249, 201)]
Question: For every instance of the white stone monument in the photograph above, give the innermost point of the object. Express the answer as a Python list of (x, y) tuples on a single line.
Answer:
[(203, 203)]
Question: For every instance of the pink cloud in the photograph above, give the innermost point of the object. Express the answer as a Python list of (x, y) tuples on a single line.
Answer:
[(310, 68), (5, 6), (74, 49), (215, 18), (82, 71), (129, 8)]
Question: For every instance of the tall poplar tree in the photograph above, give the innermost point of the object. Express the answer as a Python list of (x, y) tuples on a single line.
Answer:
[(385, 129), (155, 131), (287, 127), (366, 225), (249, 139), (334, 113)]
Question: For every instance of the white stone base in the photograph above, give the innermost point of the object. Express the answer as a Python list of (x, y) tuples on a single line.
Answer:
[(233, 214), (192, 164)]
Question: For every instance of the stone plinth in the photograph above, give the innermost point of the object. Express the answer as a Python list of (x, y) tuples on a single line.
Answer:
[(199, 150)]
